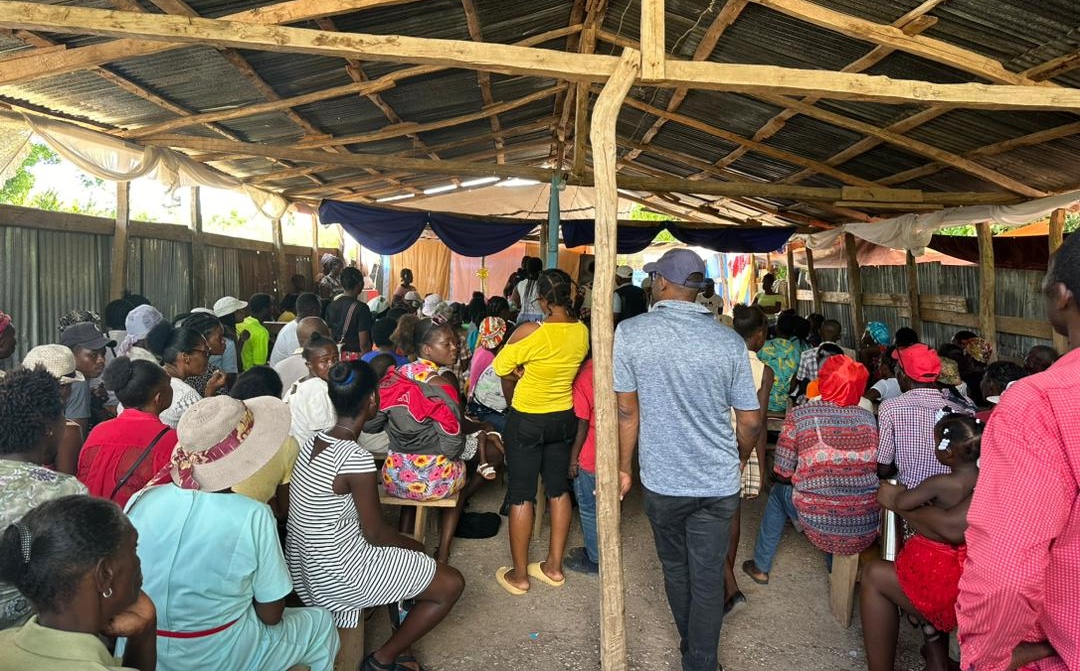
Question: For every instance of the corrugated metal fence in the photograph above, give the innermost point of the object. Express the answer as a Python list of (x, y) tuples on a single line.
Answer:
[(46, 273)]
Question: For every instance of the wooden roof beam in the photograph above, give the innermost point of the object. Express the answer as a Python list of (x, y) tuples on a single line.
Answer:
[(911, 23), (367, 88), (731, 11), (508, 59), (573, 103), (893, 37), (483, 79), (82, 58)]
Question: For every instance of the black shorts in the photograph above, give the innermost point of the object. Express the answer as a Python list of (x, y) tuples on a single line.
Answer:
[(538, 445)]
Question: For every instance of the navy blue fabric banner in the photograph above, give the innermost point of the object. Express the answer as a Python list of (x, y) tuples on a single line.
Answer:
[(633, 239), (391, 231)]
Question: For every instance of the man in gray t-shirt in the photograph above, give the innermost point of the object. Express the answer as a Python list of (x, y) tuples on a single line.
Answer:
[(674, 403)]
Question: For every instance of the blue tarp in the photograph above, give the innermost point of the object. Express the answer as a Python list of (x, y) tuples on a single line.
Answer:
[(387, 231)]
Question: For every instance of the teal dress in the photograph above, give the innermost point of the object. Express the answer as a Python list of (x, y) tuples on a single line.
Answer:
[(205, 557), (782, 355)]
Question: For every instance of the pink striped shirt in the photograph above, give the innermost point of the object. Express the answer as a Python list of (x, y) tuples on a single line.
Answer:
[(1021, 580)]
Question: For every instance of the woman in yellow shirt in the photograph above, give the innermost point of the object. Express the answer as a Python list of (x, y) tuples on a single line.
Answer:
[(538, 365)]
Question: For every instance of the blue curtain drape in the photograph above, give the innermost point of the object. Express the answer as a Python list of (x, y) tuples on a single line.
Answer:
[(392, 231), (633, 239)]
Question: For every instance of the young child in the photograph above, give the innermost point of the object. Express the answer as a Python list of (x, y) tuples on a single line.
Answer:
[(928, 570), (584, 559), (256, 349), (307, 398)]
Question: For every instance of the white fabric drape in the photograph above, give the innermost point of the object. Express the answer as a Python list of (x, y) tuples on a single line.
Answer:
[(14, 146), (117, 160), (912, 231)]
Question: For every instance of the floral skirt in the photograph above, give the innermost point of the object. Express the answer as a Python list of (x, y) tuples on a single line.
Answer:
[(422, 477)]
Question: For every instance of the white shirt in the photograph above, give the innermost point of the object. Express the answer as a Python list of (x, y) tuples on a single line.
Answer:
[(311, 409), (291, 369), (715, 303), (887, 388), (286, 343)]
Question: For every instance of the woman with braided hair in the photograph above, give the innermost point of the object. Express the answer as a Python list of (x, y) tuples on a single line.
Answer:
[(538, 366)]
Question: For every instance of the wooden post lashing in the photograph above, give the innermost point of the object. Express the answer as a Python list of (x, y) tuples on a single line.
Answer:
[(1057, 238), (602, 139), (118, 280), (854, 287), (652, 40), (913, 293), (987, 285), (815, 291), (792, 280), (198, 252)]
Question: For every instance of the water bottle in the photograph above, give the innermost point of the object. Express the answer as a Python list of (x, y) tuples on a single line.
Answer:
[(890, 537)]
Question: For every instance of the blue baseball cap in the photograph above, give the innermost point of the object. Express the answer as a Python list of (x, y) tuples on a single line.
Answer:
[(677, 265)]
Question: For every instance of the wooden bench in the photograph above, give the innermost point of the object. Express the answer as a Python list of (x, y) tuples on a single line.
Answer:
[(351, 652), (419, 531), (842, 579)]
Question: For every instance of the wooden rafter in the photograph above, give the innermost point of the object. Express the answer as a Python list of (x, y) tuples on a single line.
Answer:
[(704, 49), (910, 123), (567, 108), (911, 23), (73, 60), (508, 59), (893, 37), (367, 88), (483, 79)]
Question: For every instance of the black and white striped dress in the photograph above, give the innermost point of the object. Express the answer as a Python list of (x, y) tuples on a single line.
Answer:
[(330, 562)]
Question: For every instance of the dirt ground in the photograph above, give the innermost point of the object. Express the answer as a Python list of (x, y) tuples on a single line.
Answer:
[(786, 624)]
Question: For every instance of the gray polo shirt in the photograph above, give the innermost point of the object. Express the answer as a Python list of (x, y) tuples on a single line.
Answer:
[(688, 371)]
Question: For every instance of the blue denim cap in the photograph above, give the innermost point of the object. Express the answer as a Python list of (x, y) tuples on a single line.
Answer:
[(677, 265)]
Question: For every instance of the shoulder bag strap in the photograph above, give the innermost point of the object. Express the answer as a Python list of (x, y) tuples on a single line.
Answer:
[(348, 321), (138, 462)]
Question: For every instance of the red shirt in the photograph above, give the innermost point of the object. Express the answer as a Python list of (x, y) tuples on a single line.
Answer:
[(1021, 580), (113, 446), (583, 409)]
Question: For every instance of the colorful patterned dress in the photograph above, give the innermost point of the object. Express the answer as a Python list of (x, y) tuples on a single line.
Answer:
[(782, 355), (830, 454), (422, 477)]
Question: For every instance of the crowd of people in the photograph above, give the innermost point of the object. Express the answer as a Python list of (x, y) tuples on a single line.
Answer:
[(204, 491)]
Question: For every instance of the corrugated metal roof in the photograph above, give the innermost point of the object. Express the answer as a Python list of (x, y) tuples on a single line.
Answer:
[(1019, 33)]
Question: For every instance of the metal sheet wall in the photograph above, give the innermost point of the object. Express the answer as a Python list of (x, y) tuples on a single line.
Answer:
[(161, 271), (222, 273), (44, 274)]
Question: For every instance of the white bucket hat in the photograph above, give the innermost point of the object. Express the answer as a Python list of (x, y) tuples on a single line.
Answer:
[(222, 441), (57, 360), (227, 305)]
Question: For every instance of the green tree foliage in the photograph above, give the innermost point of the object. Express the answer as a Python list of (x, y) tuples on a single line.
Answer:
[(16, 191)]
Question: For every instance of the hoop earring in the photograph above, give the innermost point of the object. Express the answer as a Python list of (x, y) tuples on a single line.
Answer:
[(106, 594)]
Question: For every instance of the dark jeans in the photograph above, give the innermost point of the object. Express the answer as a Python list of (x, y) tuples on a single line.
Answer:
[(691, 535), (486, 414)]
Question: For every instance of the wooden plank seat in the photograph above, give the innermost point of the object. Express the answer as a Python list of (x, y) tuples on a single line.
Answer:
[(419, 531), (846, 570)]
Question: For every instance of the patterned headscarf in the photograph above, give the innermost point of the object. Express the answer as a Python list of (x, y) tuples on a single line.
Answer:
[(492, 331), (842, 380), (950, 373), (74, 317), (979, 349), (5, 321), (879, 332)]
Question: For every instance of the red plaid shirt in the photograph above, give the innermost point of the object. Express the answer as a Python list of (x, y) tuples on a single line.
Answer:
[(1021, 580)]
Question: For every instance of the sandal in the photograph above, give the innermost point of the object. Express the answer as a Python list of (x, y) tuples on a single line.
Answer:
[(372, 664), (751, 569), (500, 577), (535, 570), (486, 471)]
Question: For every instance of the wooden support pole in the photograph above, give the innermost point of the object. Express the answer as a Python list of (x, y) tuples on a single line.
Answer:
[(815, 291), (602, 138), (854, 287), (652, 40), (913, 293), (987, 285), (1057, 238), (316, 265), (118, 279), (549, 235), (281, 262), (792, 280), (198, 253)]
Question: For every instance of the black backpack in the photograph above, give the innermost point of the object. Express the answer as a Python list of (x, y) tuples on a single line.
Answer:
[(633, 301)]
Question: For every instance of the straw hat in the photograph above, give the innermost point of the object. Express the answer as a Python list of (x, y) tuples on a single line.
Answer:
[(222, 441), (57, 360)]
